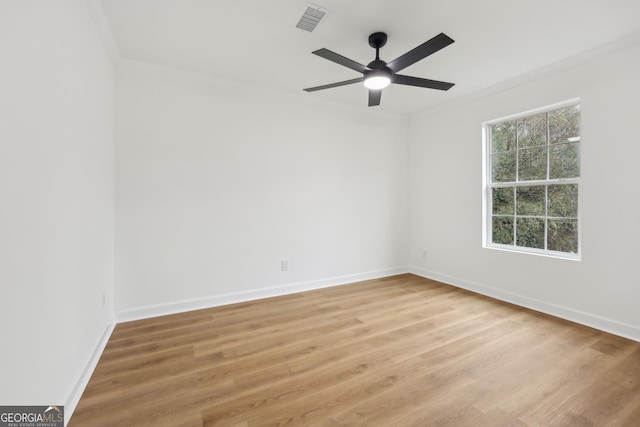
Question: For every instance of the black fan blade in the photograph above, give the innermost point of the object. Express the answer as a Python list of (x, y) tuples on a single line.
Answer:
[(329, 86), (339, 59), (374, 97), (425, 49), (417, 81)]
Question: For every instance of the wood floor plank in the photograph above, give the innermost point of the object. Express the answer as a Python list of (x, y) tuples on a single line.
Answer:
[(397, 351)]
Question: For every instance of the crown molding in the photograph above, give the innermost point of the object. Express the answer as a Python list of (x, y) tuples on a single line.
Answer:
[(104, 29), (631, 41)]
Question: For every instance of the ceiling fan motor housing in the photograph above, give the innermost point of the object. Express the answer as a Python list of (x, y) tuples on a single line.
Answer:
[(378, 69)]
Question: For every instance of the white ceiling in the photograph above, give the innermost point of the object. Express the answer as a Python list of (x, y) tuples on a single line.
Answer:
[(256, 42)]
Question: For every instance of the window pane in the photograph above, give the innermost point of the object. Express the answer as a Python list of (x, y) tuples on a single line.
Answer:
[(564, 124), (532, 164), (564, 161), (563, 200), (502, 201), (532, 131), (530, 200), (503, 137), (562, 235), (530, 232), (503, 167), (502, 231)]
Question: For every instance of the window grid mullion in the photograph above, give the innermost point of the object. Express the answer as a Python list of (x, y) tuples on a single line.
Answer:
[(546, 214), (548, 147), (515, 209), (546, 187), (515, 190), (517, 150), (563, 181)]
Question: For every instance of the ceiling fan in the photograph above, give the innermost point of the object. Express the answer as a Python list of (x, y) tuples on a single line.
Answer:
[(379, 74)]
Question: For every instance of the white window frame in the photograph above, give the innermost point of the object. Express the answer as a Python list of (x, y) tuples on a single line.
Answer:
[(487, 201)]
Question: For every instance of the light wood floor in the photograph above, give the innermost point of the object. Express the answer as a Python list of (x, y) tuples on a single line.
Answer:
[(400, 351)]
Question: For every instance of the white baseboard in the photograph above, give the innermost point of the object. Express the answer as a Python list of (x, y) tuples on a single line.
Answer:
[(601, 323), (254, 294), (76, 393)]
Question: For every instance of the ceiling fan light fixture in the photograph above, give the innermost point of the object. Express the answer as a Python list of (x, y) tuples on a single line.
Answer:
[(377, 79)]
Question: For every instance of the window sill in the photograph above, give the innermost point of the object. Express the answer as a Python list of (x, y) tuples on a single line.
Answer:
[(537, 252)]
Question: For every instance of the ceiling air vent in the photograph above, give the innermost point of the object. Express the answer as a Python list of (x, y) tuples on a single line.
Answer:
[(310, 19)]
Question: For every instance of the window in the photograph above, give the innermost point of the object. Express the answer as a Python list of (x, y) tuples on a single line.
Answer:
[(532, 182)]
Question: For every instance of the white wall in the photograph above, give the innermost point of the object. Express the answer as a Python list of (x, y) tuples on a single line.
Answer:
[(56, 204), (446, 196), (217, 182)]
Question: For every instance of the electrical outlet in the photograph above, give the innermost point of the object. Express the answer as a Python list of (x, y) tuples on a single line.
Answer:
[(425, 254), (284, 265)]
